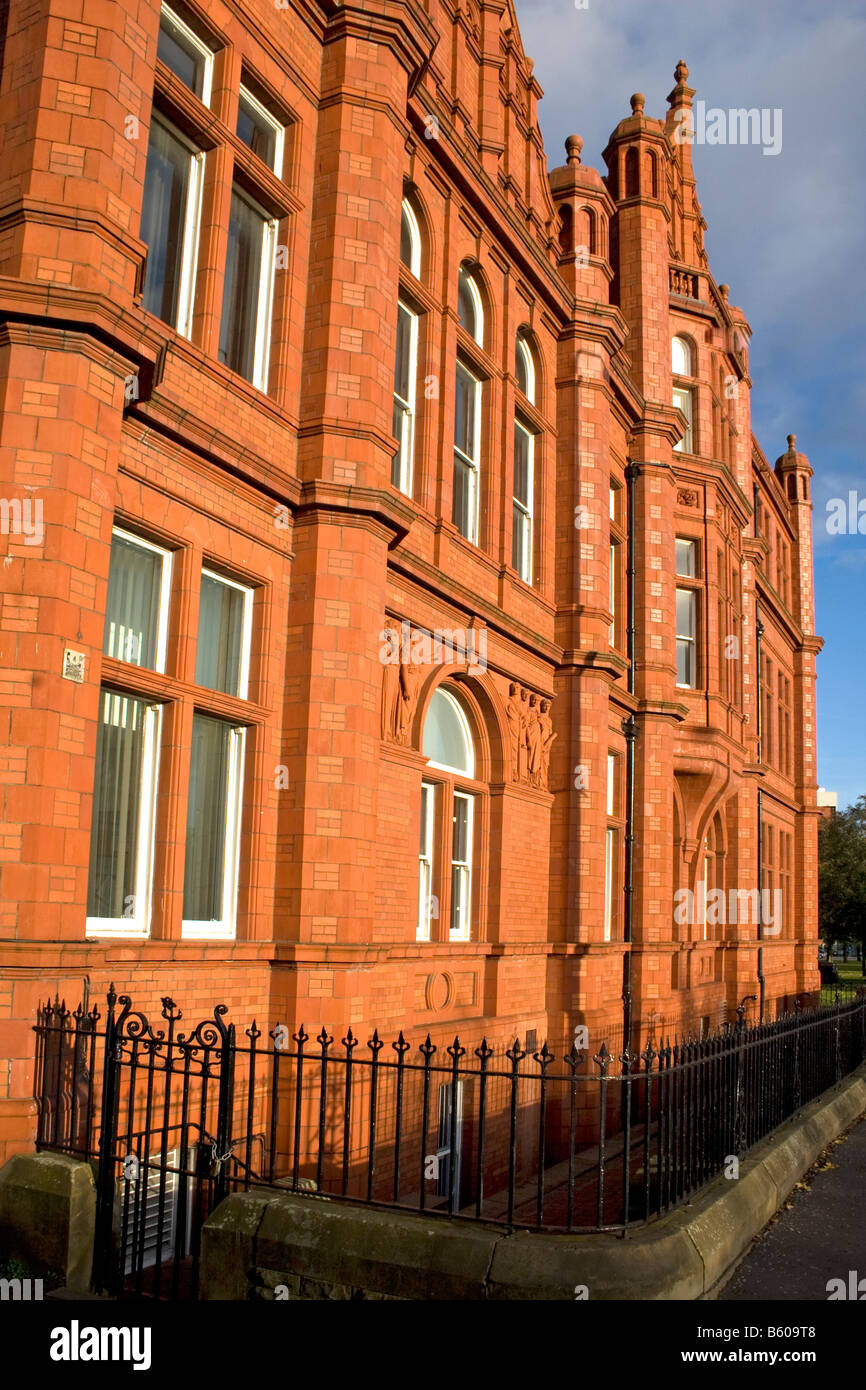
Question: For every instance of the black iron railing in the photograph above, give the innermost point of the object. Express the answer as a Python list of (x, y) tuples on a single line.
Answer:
[(569, 1140)]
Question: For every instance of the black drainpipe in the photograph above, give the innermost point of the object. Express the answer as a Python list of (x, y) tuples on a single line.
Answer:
[(629, 728), (759, 632)]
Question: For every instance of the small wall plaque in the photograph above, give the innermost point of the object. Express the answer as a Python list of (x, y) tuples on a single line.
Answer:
[(73, 666)]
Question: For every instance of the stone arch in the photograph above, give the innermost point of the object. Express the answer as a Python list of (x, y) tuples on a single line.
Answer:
[(485, 712)]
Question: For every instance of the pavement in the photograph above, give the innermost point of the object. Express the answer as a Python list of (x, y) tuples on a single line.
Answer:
[(818, 1235)]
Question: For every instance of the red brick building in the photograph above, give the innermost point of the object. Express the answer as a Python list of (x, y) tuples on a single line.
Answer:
[(364, 694)]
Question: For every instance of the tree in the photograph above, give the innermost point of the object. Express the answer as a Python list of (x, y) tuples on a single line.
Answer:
[(842, 876)]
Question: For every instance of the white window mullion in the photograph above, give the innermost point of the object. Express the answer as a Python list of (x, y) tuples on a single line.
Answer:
[(476, 462), (264, 314), (117, 708), (237, 749), (610, 843), (147, 818), (461, 876), (406, 406), (189, 259), (425, 861), (226, 927)]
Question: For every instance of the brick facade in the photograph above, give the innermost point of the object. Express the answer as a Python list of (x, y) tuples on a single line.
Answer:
[(112, 418)]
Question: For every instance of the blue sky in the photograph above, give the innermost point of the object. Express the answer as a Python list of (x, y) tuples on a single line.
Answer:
[(786, 232)]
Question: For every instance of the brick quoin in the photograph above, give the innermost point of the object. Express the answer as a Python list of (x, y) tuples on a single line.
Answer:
[(289, 491)]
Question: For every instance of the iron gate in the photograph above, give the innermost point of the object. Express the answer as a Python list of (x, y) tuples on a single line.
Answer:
[(162, 1109)]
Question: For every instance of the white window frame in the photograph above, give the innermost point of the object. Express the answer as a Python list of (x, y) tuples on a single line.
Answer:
[(246, 631), (477, 304), (614, 557), (692, 640), (609, 846), (683, 401), (407, 211), (265, 303), (164, 597), (226, 928), (609, 849), (703, 891), (425, 861), (174, 21), (527, 511), (467, 732), (465, 867), (138, 925), (407, 407), (525, 352), (687, 356), (246, 96), (473, 463), (191, 227), (693, 572)]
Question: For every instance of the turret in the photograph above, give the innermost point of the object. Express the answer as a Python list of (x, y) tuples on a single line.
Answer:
[(585, 208)]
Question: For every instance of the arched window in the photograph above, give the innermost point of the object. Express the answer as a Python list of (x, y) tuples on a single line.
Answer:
[(566, 230), (681, 357), (523, 508), (653, 175), (410, 239), (448, 820), (682, 365), (406, 358), (710, 902), (470, 306), (632, 173), (525, 369)]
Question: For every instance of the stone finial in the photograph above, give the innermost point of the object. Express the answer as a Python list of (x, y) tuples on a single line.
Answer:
[(638, 101), (573, 147), (724, 291), (681, 72), (792, 440)]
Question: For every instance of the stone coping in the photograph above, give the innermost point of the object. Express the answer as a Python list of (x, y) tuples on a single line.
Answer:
[(264, 1244)]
